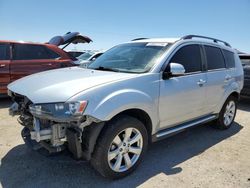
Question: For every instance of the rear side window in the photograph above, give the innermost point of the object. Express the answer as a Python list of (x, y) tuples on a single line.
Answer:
[(52, 54), (215, 58), (229, 58), (29, 52), (190, 57), (4, 51)]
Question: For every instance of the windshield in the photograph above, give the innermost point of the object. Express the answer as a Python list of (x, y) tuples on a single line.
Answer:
[(85, 56), (133, 57)]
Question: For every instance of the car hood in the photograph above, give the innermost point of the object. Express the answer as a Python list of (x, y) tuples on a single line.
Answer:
[(61, 84)]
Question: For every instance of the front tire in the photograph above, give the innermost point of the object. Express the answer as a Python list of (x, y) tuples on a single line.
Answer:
[(227, 114), (120, 147)]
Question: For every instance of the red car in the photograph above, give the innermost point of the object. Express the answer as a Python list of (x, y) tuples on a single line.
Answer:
[(19, 59)]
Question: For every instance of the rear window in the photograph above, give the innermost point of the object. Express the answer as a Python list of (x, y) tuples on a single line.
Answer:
[(4, 52), (229, 58), (30, 51), (215, 59)]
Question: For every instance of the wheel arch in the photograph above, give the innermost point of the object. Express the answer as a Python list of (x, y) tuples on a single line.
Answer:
[(141, 115), (235, 94), (95, 130)]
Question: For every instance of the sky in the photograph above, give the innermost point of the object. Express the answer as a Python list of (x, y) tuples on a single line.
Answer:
[(111, 22)]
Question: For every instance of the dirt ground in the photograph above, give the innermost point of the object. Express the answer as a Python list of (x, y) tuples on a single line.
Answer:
[(199, 157)]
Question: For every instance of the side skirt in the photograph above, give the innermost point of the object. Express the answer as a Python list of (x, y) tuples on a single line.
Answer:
[(179, 128)]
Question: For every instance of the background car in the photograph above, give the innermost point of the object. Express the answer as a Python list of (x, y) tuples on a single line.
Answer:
[(245, 59), (75, 53), (19, 59), (88, 57)]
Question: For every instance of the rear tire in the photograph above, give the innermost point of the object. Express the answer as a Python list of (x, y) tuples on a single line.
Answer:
[(227, 114), (120, 147)]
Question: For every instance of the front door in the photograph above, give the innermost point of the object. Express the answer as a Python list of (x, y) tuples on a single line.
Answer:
[(182, 98)]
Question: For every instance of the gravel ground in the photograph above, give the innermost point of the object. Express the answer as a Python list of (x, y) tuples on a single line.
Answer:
[(199, 157)]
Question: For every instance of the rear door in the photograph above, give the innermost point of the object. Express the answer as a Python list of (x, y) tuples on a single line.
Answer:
[(218, 77), (31, 58), (4, 67)]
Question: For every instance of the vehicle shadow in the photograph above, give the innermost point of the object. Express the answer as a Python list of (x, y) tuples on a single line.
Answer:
[(244, 105), (21, 167), (5, 102)]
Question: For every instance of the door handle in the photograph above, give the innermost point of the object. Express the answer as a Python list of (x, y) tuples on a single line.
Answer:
[(2, 65), (227, 78), (201, 82)]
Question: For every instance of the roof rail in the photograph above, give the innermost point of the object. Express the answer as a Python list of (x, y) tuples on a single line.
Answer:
[(139, 39), (213, 39)]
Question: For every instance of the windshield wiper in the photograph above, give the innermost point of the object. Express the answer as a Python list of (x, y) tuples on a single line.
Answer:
[(107, 69)]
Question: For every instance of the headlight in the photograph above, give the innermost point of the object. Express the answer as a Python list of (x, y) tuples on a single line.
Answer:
[(59, 109)]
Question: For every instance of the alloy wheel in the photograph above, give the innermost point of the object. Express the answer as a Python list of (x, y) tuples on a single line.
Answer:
[(229, 113), (125, 150)]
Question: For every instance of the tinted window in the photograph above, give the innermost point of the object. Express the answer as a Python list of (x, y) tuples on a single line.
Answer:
[(229, 57), (52, 54), (190, 57), (29, 51), (215, 58), (4, 52)]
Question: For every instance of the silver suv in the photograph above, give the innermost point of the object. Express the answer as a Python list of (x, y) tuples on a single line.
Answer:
[(134, 94)]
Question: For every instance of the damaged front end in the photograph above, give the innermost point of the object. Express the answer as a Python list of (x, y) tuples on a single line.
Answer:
[(56, 126)]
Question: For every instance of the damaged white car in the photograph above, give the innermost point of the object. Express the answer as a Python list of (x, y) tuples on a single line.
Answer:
[(135, 93)]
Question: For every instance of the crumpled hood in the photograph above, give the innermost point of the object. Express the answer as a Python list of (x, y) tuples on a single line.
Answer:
[(61, 84)]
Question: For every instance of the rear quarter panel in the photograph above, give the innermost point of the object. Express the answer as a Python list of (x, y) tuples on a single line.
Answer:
[(235, 85)]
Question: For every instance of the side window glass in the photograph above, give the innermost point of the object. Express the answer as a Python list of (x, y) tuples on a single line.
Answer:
[(96, 56), (215, 58), (229, 57), (29, 52), (190, 57), (52, 54), (4, 51)]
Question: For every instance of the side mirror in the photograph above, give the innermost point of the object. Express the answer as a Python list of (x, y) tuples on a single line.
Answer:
[(175, 69)]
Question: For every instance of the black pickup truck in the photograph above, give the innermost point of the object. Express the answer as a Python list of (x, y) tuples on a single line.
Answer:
[(245, 59)]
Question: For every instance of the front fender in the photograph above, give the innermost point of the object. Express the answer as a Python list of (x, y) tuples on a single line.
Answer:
[(122, 100)]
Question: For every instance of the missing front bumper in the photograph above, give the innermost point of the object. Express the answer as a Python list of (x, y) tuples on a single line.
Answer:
[(37, 146)]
